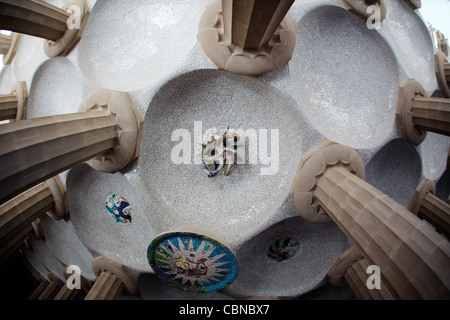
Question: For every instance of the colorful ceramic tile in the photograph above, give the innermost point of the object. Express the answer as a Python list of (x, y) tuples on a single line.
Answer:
[(283, 249), (119, 208), (192, 262)]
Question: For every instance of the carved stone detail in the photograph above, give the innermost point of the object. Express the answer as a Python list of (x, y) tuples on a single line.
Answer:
[(64, 45), (129, 128), (113, 278), (441, 61), (360, 8), (311, 167), (218, 45), (345, 261), (14, 106)]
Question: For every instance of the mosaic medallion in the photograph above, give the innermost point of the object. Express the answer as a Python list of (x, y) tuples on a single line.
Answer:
[(119, 208), (283, 249), (192, 262)]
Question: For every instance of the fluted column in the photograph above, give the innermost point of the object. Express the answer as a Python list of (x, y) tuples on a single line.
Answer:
[(361, 8), (73, 294), (113, 280), (412, 257), (15, 243), (13, 106), (40, 288), (442, 68), (345, 260), (52, 288), (447, 73), (62, 28), (356, 276), (5, 43), (417, 114), (107, 130), (429, 207), (17, 214), (249, 37), (8, 46), (351, 268)]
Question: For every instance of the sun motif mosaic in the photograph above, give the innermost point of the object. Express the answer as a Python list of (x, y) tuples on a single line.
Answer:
[(192, 262), (119, 208)]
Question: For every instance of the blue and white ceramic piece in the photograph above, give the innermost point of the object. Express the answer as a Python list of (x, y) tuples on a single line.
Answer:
[(119, 208)]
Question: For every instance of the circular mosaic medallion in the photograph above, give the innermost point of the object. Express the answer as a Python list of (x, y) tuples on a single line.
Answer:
[(284, 249), (119, 208), (192, 262)]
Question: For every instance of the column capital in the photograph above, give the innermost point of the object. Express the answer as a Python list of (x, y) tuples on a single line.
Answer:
[(60, 207), (9, 56), (345, 261), (440, 59), (20, 90), (311, 167), (220, 23), (425, 187), (407, 92), (130, 282), (38, 233), (129, 122), (72, 35), (359, 8), (14, 106)]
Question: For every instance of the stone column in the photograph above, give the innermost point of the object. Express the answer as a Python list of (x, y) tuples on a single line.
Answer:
[(18, 241), (442, 72), (62, 28), (52, 288), (13, 106), (8, 46), (361, 8), (43, 283), (427, 206), (413, 258), (113, 280), (17, 214), (447, 73), (107, 130), (416, 113), (249, 37), (351, 268), (73, 294)]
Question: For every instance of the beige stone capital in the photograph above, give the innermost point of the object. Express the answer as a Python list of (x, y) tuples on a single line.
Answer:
[(429, 207), (361, 8), (311, 167), (425, 187), (249, 38), (113, 279), (72, 35), (60, 27), (14, 106), (108, 129), (442, 72), (129, 125), (60, 205), (8, 47), (345, 261), (417, 114)]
